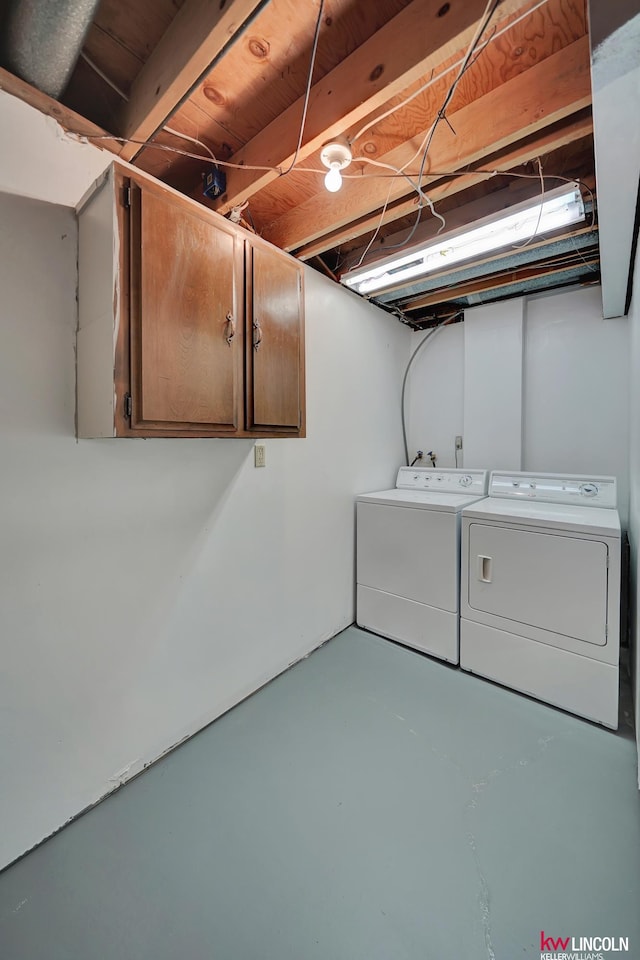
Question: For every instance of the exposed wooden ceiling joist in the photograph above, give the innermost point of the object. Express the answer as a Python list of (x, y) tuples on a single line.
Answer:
[(417, 40), (382, 72), (264, 72), (554, 89), (519, 43), (558, 136), (198, 34), (495, 282)]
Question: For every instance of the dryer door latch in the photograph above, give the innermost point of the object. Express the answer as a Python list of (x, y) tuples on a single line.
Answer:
[(484, 569)]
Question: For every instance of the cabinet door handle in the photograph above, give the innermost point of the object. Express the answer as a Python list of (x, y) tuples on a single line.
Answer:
[(257, 334), (484, 569), (231, 329)]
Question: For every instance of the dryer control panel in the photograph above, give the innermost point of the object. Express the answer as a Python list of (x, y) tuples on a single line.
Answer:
[(555, 488), (446, 481)]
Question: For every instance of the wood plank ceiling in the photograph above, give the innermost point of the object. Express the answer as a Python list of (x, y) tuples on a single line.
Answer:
[(233, 75)]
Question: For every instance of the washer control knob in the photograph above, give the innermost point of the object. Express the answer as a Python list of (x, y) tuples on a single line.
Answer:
[(465, 480), (588, 490)]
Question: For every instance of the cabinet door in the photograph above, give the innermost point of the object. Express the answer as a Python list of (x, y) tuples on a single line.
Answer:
[(186, 341), (275, 343)]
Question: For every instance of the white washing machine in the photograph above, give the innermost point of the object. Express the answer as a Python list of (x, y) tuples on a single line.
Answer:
[(540, 596), (408, 557)]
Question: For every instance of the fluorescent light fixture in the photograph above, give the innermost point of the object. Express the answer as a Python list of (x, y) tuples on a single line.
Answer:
[(560, 208)]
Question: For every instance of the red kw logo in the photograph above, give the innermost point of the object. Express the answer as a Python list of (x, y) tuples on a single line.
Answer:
[(550, 945)]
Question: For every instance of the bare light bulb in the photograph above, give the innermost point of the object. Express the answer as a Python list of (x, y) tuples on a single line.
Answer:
[(333, 179)]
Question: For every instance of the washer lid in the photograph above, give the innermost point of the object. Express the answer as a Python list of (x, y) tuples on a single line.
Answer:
[(423, 499), (601, 521)]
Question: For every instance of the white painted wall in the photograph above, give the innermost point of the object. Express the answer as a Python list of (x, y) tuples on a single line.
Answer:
[(434, 397), (576, 394), (148, 585), (634, 494), (575, 390), (493, 362), (40, 160)]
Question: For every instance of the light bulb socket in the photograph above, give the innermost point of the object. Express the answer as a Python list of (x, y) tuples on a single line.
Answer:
[(336, 155)]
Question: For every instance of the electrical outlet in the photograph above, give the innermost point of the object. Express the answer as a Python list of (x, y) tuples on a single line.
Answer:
[(458, 443), (260, 455)]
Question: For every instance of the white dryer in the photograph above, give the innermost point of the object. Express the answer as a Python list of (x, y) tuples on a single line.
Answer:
[(540, 596), (408, 557)]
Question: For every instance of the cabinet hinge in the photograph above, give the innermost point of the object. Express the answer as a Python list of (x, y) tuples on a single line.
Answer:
[(128, 406), (126, 197)]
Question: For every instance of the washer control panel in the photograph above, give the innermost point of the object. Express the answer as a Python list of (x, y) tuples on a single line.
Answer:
[(447, 481), (555, 488)]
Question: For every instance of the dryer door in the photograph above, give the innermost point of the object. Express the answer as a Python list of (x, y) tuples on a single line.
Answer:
[(555, 583)]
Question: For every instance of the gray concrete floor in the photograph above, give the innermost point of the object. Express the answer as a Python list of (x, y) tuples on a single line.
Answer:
[(370, 804)]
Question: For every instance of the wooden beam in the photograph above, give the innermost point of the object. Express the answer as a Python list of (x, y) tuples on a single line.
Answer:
[(553, 89), (496, 282), (68, 119), (420, 38), (559, 136), (198, 34)]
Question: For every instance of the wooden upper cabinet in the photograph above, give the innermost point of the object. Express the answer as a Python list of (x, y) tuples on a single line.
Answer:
[(275, 342), (186, 345), (188, 326)]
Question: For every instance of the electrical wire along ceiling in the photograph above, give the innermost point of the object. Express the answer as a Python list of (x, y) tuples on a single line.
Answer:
[(372, 140)]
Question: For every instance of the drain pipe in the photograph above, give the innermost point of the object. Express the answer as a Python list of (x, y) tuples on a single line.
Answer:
[(42, 40)]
